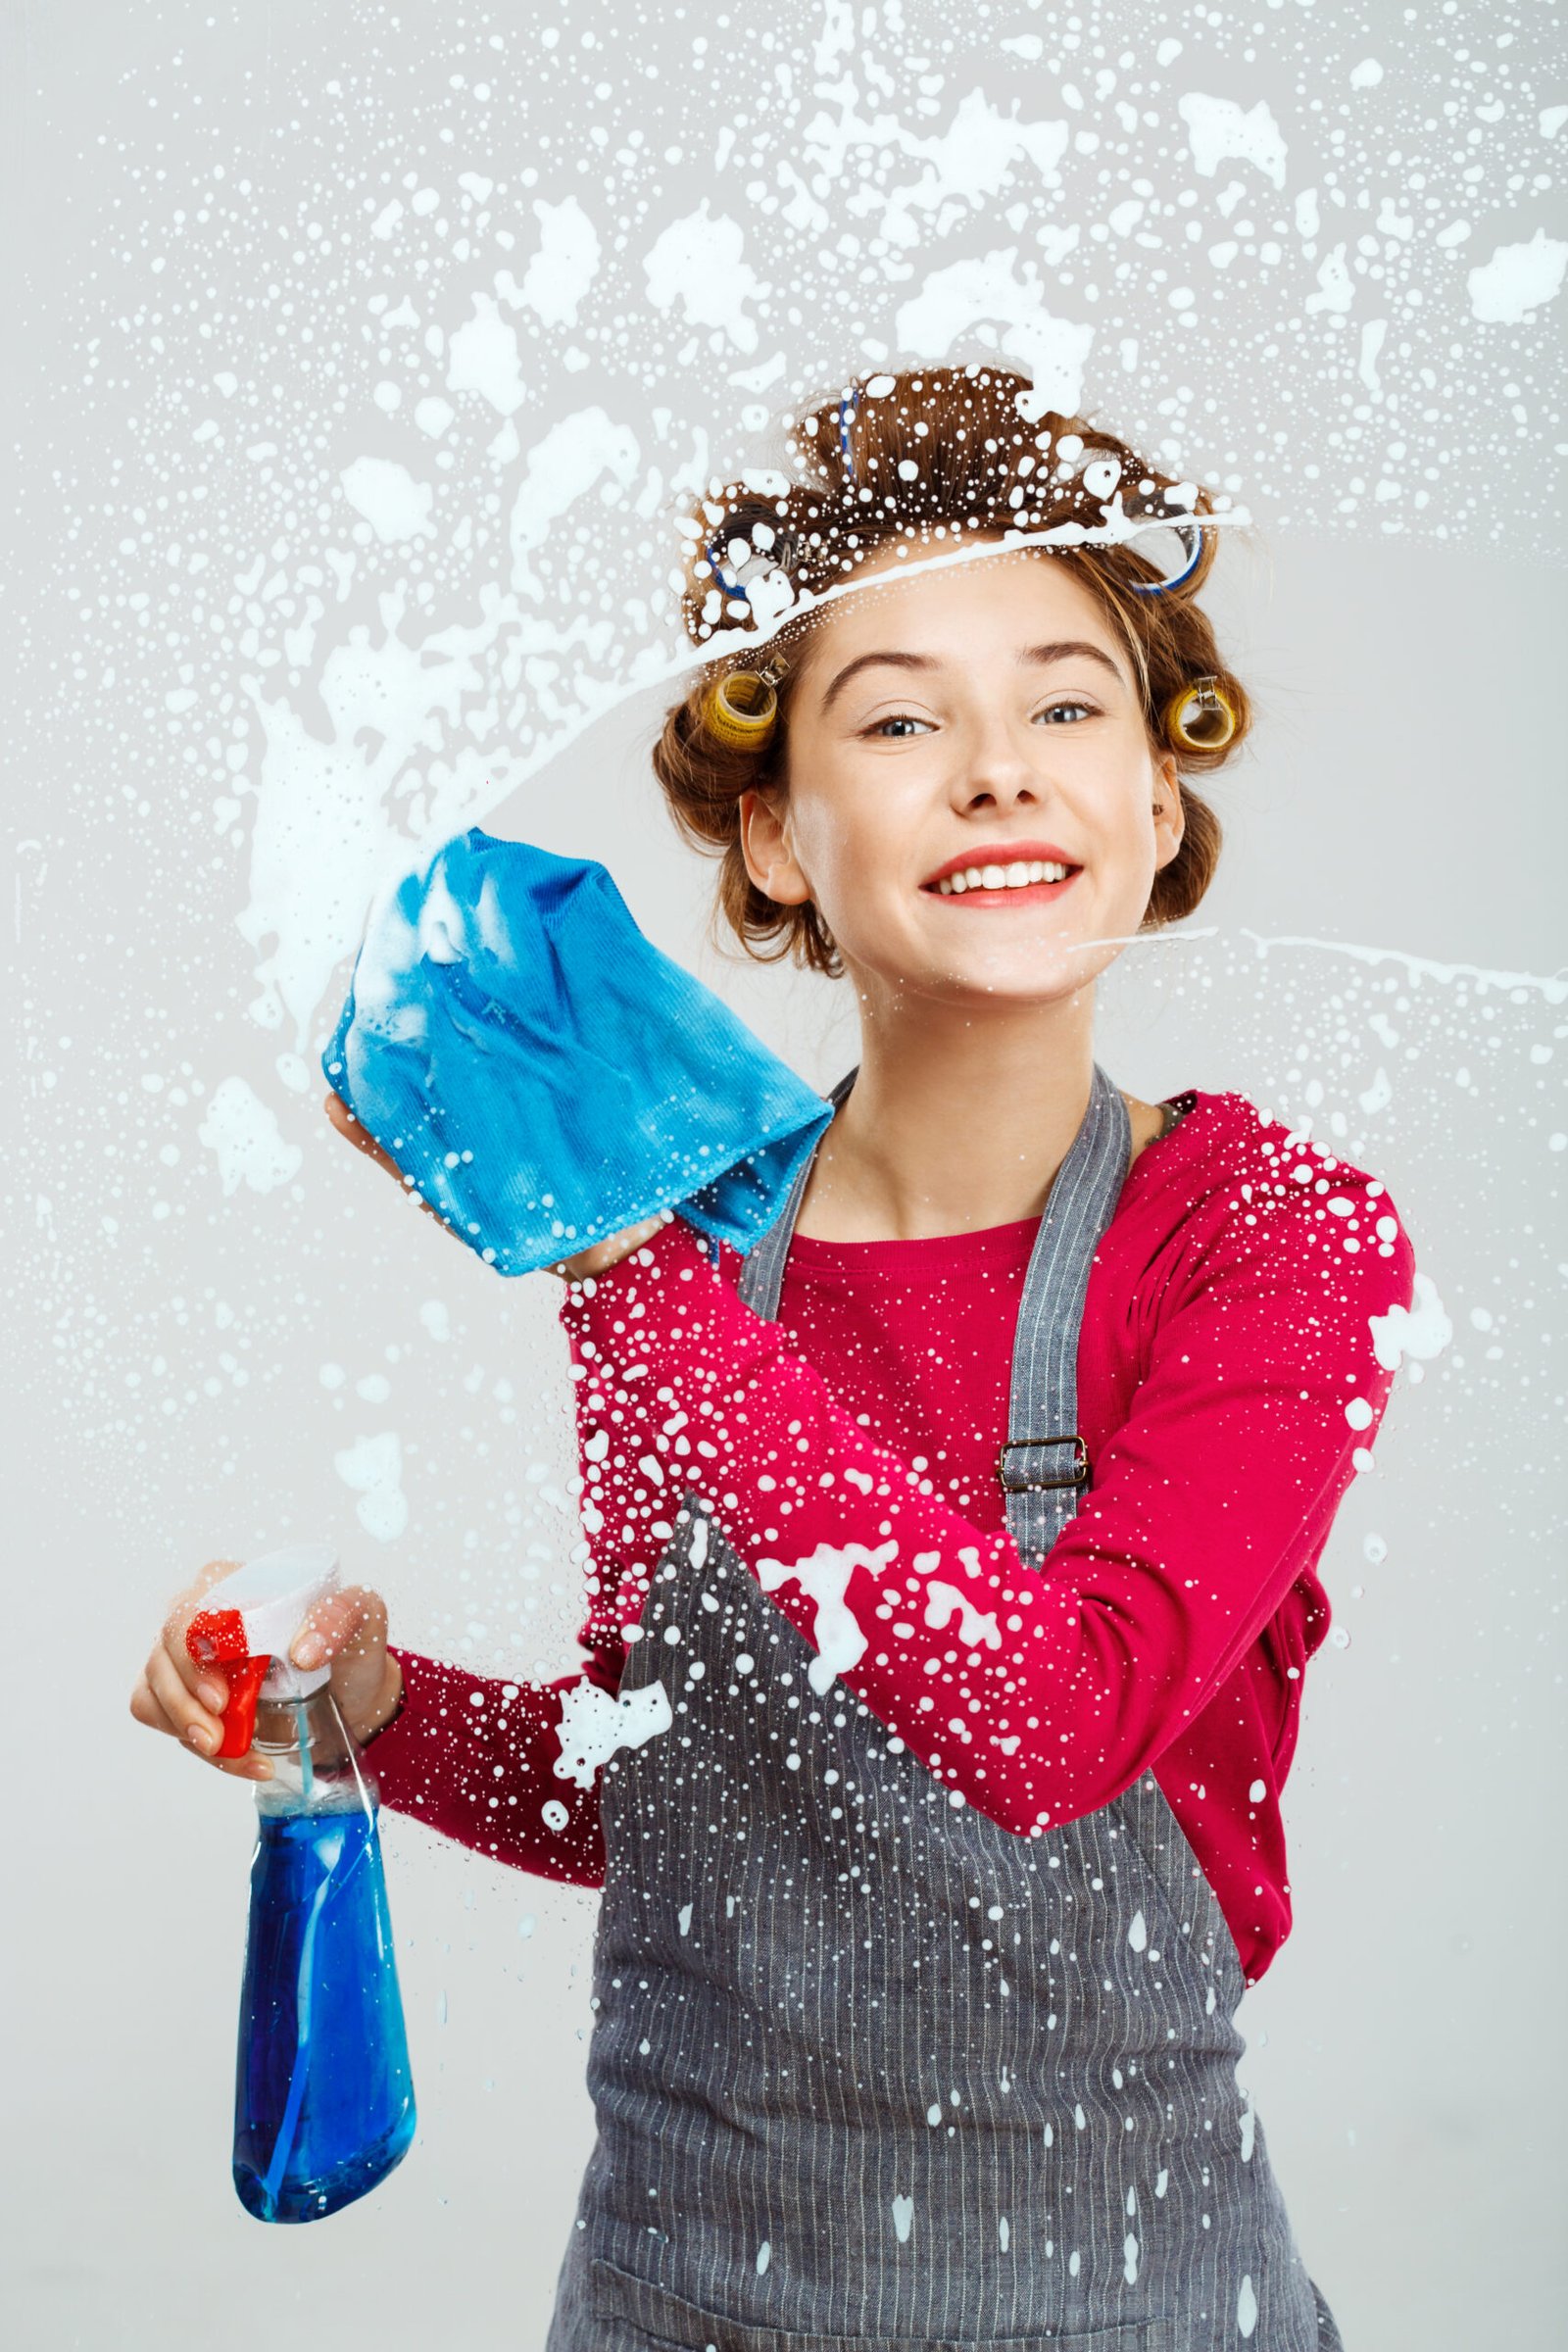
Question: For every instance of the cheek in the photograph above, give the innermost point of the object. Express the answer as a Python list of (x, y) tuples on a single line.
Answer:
[(1115, 828), (834, 840), (1123, 822), (854, 862)]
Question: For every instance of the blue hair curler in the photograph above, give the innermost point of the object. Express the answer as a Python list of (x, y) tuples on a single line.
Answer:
[(774, 559), (1193, 533), (852, 398), (730, 587)]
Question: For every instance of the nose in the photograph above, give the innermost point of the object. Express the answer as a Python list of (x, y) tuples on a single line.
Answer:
[(998, 774)]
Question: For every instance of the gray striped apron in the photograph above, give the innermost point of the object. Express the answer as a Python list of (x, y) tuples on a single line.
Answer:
[(868, 2069)]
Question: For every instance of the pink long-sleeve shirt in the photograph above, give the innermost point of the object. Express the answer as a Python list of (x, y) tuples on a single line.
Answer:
[(1231, 1380)]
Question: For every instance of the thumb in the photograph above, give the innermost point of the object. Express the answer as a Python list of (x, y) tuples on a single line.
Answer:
[(337, 1623)]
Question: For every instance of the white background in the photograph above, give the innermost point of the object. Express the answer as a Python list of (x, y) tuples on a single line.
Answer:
[(1403, 793)]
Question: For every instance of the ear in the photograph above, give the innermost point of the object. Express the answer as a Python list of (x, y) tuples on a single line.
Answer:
[(1169, 824), (769, 859)]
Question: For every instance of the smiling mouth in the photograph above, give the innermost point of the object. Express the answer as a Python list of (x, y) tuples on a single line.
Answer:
[(1024, 878)]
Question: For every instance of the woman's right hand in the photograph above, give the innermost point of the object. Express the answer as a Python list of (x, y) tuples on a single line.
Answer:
[(175, 1694), (348, 1126)]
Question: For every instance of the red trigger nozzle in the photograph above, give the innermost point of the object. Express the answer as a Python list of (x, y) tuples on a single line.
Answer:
[(217, 1640)]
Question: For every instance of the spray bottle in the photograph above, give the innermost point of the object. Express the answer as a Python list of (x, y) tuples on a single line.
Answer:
[(323, 2102)]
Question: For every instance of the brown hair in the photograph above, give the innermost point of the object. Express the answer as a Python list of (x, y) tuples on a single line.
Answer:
[(933, 454)]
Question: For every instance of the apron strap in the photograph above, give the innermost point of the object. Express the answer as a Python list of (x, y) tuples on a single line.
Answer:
[(762, 1275), (1044, 1466)]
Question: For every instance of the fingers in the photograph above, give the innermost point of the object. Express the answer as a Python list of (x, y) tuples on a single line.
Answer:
[(147, 1708), (205, 1685), (183, 1714), (350, 1623), (176, 1695), (200, 1682), (164, 1704), (344, 1120), (350, 1128), (346, 1630)]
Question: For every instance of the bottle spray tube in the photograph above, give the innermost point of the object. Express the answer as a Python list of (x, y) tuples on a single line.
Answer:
[(324, 2100)]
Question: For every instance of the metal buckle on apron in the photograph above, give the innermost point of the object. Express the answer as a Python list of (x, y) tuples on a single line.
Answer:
[(1022, 1484)]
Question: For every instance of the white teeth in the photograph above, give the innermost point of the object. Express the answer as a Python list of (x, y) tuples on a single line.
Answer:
[(1017, 876)]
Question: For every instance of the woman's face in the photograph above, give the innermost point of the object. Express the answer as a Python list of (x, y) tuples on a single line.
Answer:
[(980, 716)]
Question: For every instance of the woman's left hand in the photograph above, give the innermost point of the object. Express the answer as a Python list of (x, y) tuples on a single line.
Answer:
[(597, 1260)]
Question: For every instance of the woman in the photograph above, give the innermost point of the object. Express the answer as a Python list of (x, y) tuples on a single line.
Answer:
[(954, 1553)]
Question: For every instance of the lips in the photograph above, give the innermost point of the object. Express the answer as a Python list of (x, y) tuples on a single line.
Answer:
[(982, 854)]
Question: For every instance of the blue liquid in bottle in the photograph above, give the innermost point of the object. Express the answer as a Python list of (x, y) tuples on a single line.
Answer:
[(323, 2102)]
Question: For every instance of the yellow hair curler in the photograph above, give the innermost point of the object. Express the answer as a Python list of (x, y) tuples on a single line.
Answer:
[(741, 707), (1198, 717)]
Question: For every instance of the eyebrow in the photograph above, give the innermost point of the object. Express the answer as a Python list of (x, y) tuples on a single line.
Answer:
[(1062, 649)]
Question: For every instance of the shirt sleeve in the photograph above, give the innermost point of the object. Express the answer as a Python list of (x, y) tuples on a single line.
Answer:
[(1038, 1695), (476, 1759)]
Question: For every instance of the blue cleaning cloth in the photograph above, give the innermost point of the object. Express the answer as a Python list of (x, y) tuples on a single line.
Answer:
[(544, 1075)]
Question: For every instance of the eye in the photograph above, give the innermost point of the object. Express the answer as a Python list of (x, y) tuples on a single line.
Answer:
[(898, 718), (1072, 703)]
